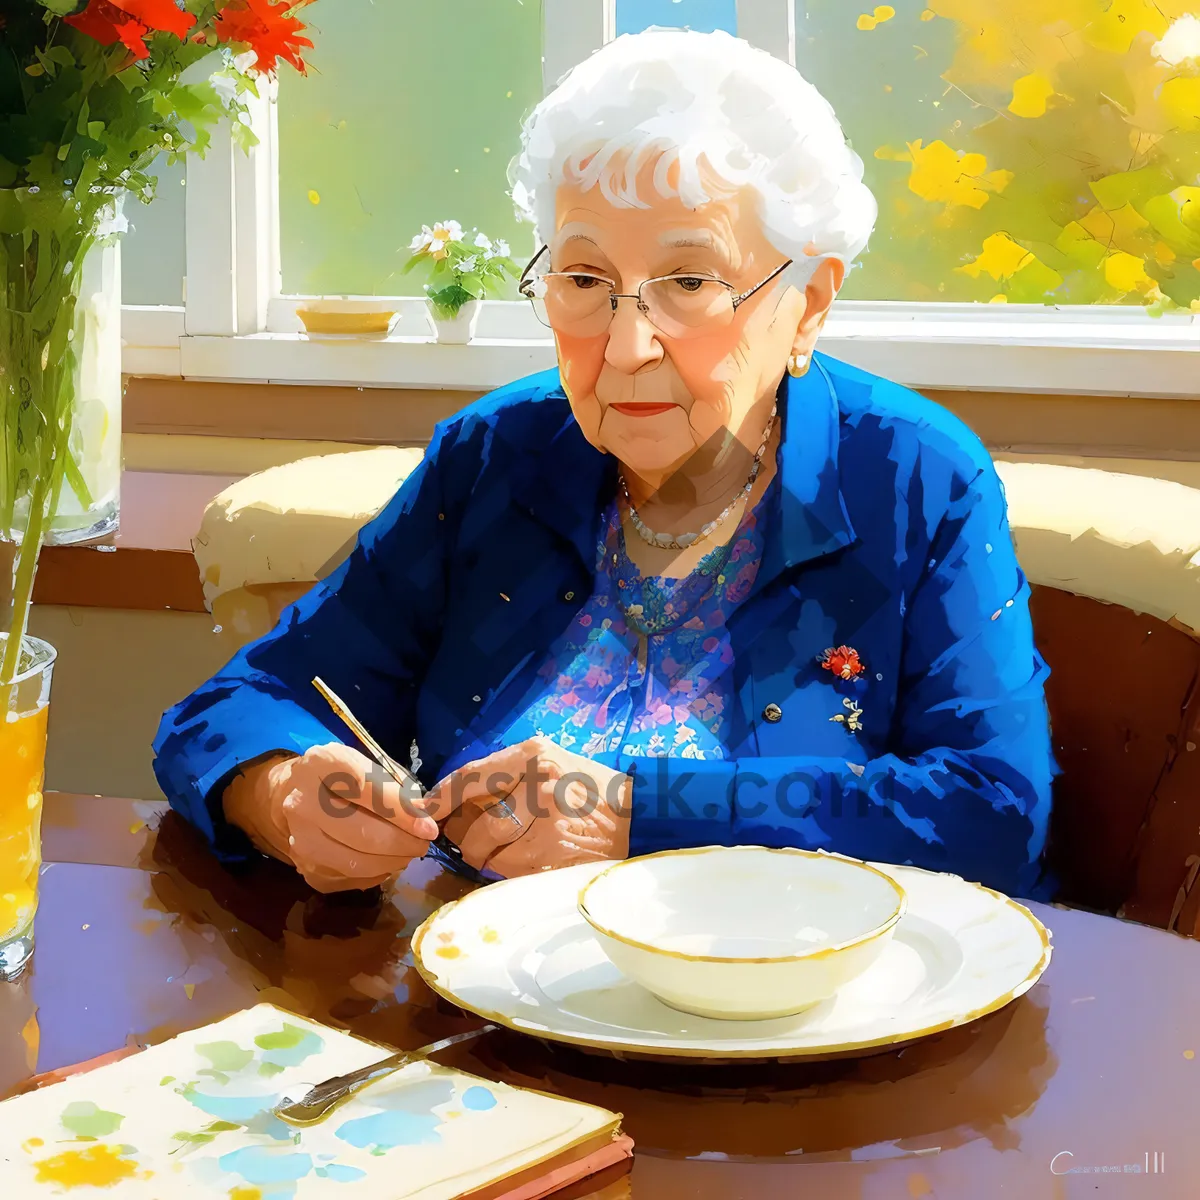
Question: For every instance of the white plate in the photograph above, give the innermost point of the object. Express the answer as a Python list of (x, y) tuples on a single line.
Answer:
[(519, 954)]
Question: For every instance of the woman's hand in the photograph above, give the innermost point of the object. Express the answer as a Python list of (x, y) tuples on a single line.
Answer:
[(571, 809), (332, 814)]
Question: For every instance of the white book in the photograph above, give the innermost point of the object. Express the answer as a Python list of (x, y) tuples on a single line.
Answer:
[(192, 1117)]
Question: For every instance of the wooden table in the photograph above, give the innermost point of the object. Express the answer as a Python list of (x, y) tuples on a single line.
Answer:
[(141, 934)]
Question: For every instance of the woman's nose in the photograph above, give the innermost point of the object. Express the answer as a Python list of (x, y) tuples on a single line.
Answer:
[(633, 342)]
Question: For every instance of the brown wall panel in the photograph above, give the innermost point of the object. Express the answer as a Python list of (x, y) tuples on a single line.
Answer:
[(1113, 426), (402, 417)]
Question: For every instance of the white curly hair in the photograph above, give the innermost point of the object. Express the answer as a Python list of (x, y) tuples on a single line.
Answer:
[(694, 99)]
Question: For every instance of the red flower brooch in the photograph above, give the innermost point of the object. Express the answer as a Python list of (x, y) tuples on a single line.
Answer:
[(843, 661)]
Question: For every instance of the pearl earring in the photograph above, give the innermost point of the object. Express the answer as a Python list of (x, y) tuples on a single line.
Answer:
[(797, 365)]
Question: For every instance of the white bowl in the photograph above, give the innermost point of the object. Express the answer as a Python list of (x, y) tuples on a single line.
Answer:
[(742, 932)]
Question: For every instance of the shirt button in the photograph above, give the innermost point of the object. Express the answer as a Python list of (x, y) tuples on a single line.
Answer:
[(773, 713)]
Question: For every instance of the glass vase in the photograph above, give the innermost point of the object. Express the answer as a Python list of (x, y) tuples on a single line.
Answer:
[(89, 505), (60, 366), (26, 704)]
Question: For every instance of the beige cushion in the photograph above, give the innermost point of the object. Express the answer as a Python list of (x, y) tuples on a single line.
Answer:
[(1123, 539), (246, 613), (291, 524)]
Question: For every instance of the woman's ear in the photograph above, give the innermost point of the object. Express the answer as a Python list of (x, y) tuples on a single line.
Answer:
[(819, 294)]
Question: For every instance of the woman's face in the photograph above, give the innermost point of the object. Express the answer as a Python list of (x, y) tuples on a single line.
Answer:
[(652, 399)]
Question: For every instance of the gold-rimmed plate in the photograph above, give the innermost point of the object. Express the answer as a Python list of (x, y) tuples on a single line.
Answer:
[(520, 954)]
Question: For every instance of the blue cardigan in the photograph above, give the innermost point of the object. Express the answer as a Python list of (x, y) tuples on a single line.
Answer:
[(888, 535)]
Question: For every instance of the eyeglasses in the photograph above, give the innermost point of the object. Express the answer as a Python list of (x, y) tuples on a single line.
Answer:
[(581, 304)]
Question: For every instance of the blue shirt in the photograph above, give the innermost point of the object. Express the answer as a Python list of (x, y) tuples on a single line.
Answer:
[(606, 690), (887, 536)]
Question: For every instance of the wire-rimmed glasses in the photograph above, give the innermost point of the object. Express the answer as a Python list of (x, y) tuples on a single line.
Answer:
[(583, 303)]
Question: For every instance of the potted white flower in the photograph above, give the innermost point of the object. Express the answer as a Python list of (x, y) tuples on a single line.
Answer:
[(458, 276)]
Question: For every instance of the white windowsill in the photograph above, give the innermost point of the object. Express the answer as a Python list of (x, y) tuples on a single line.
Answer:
[(1017, 348)]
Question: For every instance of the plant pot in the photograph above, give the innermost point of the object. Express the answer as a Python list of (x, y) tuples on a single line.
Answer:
[(22, 777), (459, 329)]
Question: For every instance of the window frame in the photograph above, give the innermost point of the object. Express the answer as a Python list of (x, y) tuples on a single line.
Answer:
[(237, 324)]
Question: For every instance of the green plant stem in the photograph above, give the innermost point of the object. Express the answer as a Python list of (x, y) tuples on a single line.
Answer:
[(41, 267), (23, 577)]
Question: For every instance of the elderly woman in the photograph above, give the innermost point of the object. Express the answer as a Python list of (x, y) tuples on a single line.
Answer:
[(699, 585)]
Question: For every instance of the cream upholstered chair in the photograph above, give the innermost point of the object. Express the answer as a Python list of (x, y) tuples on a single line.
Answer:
[(1114, 561), (1123, 539), (267, 539)]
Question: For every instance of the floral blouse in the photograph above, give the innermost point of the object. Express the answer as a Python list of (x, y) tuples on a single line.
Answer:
[(644, 667)]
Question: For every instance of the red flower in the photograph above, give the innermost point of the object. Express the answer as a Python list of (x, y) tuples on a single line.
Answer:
[(130, 22), (268, 28), (843, 661)]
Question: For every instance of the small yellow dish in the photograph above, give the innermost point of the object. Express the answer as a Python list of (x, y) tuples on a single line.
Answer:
[(348, 316), (742, 932)]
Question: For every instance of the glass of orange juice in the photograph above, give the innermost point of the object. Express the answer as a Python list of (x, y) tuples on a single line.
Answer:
[(22, 775)]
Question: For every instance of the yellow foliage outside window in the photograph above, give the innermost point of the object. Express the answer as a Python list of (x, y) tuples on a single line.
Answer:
[(1035, 151)]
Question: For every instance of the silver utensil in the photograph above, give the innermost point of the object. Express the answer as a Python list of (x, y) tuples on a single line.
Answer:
[(408, 781), (320, 1100)]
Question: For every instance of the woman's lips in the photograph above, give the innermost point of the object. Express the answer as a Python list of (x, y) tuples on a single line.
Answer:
[(641, 410)]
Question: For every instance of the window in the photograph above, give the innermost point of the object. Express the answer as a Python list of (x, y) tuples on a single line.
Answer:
[(152, 252), (1043, 153), (402, 122), (702, 15), (1029, 151)]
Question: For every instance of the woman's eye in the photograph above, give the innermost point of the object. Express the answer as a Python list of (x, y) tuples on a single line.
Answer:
[(690, 283), (588, 281)]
